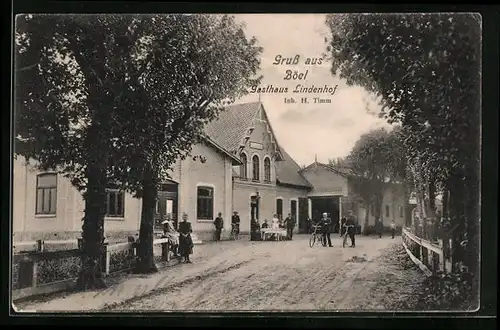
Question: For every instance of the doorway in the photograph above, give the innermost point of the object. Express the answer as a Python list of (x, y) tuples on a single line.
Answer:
[(303, 216), (279, 208), (329, 205), (166, 205)]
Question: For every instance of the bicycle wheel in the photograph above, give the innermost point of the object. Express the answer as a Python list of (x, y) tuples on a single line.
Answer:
[(312, 240)]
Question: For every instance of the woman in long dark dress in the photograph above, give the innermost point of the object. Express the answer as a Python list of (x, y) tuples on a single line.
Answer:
[(185, 240)]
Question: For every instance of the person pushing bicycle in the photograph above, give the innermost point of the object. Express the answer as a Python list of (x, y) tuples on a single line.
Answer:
[(350, 225)]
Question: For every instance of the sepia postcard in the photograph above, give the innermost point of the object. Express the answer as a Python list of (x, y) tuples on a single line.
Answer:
[(246, 163)]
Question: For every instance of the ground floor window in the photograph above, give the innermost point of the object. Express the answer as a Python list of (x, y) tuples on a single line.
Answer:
[(205, 204), (115, 203), (46, 193)]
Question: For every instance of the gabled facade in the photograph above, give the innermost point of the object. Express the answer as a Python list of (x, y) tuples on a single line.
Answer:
[(268, 182)]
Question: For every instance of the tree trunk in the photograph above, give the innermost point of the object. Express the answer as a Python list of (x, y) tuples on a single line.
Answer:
[(367, 218), (406, 207), (446, 197), (472, 205), (377, 207), (145, 252), (432, 196), (90, 276), (457, 220)]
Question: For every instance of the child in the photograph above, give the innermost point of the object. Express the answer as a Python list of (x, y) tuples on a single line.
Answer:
[(393, 228)]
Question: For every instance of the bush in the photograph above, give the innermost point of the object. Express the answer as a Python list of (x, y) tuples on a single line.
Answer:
[(121, 260), (49, 271), (448, 291)]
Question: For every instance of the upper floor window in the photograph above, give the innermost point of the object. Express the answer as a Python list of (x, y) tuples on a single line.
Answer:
[(387, 212), (205, 203), (46, 193), (255, 168), (115, 203), (267, 169), (243, 168)]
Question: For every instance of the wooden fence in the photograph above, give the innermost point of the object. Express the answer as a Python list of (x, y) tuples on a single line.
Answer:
[(27, 277), (430, 257)]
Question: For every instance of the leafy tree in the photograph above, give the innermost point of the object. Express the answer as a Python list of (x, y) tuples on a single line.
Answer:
[(109, 99), (70, 78), (373, 163), (425, 68), (187, 68)]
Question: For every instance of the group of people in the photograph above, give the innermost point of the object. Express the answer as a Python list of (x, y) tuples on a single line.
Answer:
[(219, 225), (347, 226), (288, 224), (255, 227), (181, 242)]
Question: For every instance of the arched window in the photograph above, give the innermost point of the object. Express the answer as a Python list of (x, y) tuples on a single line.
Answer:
[(255, 168), (267, 169), (243, 168)]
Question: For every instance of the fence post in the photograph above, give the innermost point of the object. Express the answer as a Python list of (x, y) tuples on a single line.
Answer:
[(104, 258), (108, 259), (40, 245), (425, 256), (131, 252), (436, 258)]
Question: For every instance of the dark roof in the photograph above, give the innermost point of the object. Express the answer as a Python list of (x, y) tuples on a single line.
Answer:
[(232, 124), (288, 172), (344, 171), (211, 142)]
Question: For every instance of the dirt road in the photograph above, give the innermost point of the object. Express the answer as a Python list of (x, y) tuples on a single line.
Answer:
[(243, 275)]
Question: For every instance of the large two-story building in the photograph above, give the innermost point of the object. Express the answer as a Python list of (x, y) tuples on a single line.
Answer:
[(245, 170)]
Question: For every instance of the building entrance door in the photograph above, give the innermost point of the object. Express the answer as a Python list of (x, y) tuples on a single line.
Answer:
[(166, 205)]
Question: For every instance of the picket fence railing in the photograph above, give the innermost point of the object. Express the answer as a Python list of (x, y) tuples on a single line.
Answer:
[(28, 261), (429, 256)]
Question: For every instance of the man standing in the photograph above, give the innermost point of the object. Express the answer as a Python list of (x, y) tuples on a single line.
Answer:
[(235, 223), (379, 227), (326, 223), (352, 222), (219, 224), (393, 228), (290, 225)]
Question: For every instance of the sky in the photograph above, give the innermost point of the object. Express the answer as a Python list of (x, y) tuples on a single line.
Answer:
[(306, 131)]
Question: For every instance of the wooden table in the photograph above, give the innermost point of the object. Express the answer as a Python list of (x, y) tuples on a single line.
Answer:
[(267, 232)]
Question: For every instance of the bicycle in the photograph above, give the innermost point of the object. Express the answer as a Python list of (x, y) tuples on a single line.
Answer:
[(344, 239), (317, 236), (234, 235)]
